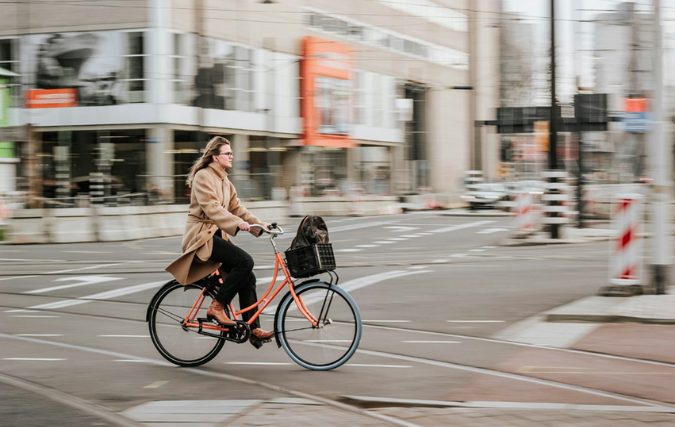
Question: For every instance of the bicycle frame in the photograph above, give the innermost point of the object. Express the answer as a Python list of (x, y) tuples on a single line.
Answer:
[(191, 318)]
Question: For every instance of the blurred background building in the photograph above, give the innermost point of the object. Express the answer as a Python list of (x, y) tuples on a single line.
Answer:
[(322, 96)]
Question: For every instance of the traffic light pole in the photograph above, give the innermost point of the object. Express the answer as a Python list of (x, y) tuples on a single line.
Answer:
[(553, 128)]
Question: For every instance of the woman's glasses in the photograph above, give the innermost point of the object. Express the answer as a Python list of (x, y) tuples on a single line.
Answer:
[(229, 153)]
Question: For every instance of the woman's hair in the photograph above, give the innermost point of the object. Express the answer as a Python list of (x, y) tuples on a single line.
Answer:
[(212, 148)]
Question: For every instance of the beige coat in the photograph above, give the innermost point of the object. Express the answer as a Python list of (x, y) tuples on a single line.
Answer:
[(213, 205)]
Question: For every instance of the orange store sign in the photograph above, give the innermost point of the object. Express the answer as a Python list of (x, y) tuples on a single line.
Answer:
[(51, 98), (326, 89)]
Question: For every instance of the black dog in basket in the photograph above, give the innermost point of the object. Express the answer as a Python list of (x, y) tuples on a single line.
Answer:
[(310, 253)]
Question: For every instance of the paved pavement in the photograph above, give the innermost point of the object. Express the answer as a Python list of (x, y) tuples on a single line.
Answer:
[(593, 324)]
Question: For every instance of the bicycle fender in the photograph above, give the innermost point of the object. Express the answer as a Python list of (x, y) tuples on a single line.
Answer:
[(281, 302), (154, 298)]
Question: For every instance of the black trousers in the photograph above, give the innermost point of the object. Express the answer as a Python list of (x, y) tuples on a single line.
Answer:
[(240, 279)]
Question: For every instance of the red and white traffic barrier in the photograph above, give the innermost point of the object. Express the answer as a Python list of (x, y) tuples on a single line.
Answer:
[(626, 248), (526, 220)]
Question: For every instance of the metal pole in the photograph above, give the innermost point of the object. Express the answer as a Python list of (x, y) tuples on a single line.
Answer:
[(662, 184), (553, 131)]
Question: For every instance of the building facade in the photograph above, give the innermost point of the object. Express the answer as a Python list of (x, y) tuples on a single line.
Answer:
[(121, 96)]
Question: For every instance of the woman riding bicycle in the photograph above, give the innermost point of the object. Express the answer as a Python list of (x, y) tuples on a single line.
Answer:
[(214, 215)]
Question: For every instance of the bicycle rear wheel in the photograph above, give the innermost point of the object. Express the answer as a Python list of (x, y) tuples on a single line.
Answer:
[(179, 344), (333, 341)]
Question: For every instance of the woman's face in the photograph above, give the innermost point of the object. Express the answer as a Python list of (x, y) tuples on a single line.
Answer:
[(224, 159)]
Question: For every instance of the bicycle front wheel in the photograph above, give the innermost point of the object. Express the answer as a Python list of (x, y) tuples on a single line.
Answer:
[(179, 344), (328, 344)]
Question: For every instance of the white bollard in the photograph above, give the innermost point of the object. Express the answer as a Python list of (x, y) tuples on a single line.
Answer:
[(625, 267)]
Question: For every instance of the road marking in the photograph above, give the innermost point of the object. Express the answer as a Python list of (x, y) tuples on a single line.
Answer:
[(489, 247), (370, 365), (20, 310), (417, 267), (432, 342), (367, 246), (131, 360), (83, 281), (383, 242), (349, 250), (458, 255), (39, 335), (476, 250), (100, 296), (257, 363), (327, 340), (400, 228), (156, 384), (387, 321), (439, 261), (32, 359), (461, 226), (410, 235), (32, 316), (123, 336), (86, 252), (17, 277), (475, 321), (491, 230), (91, 267), (397, 239)]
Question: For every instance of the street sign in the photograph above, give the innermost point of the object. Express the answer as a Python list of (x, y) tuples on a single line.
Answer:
[(13, 133), (637, 121)]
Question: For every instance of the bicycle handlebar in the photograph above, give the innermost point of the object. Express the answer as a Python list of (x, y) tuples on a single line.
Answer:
[(275, 231)]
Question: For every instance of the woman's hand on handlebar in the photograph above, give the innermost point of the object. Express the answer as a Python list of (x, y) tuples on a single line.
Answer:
[(245, 226)]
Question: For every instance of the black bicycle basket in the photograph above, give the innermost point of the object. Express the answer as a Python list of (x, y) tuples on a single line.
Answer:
[(310, 260)]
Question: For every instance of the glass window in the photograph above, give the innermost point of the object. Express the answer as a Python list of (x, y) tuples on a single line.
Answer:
[(8, 61), (135, 67)]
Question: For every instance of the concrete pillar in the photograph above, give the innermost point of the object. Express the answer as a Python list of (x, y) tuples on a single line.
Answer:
[(159, 46), (240, 145), (160, 160)]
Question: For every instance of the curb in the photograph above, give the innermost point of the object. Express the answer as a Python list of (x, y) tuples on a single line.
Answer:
[(605, 318)]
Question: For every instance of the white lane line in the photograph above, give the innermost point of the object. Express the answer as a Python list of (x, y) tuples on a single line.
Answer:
[(131, 360), (476, 250), (156, 384), (397, 239), (489, 247), (349, 250), (439, 261), (32, 316), (431, 342), (410, 236), (258, 363), (461, 226), (401, 229), (16, 277), (361, 351), (370, 365), (475, 321), (387, 321), (458, 255), (384, 242), (367, 246), (86, 252), (424, 234), (32, 359), (327, 340), (39, 335), (20, 310), (101, 296), (123, 336), (417, 267), (91, 267), (82, 281), (491, 230)]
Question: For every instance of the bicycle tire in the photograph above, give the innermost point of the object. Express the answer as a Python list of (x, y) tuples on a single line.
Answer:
[(180, 346), (331, 344)]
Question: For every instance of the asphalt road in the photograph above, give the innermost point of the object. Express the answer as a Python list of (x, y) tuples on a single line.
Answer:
[(432, 289)]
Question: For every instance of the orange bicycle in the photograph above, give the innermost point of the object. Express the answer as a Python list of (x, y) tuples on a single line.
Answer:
[(317, 323)]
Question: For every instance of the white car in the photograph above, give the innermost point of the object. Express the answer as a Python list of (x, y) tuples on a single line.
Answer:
[(486, 195)]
